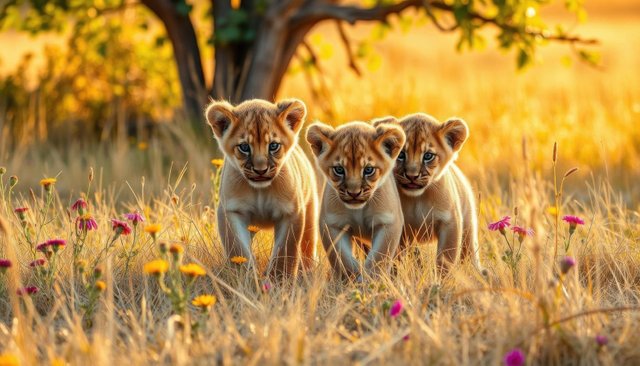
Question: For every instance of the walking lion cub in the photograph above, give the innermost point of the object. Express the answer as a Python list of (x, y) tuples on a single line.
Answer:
[(360, 199), (267, 181), (437, 200)]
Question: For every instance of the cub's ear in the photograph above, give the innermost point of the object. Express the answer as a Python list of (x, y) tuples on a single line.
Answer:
[(219, 116), (293, 112), (391, 138), (388, 119), (320, 137), (455, 132)]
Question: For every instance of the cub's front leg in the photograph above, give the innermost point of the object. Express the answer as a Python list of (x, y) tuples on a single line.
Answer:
[(337, 244), (384, 246), (449, 238), (234, 234), (286, 247)]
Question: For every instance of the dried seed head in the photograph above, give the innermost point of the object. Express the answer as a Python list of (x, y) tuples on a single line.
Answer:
[(515, 211), (90, 174), (571, 171), (555, 152)]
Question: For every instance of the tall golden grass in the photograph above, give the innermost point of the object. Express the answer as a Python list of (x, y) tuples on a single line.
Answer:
[(515, 118)]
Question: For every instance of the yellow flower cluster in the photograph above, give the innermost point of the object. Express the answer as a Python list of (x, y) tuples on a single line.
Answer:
[(238, 260), (192, 270), (204, 301), (156, 267)]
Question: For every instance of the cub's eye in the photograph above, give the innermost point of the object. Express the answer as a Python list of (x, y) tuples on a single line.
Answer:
[(402, 156), (368, 171), (338, 170), (428, 157), (244, 148), (274, 146)]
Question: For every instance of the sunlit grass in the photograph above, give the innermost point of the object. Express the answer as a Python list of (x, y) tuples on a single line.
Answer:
[(124, 315)]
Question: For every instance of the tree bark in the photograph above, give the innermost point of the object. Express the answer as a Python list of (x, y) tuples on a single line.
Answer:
[(187, 55)]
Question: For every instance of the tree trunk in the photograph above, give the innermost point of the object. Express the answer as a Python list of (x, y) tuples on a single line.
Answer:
[(255, 69), (187, 56)]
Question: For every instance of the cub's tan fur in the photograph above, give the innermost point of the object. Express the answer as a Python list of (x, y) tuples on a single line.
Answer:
[(267, 181), (437, 200), (360, 199)]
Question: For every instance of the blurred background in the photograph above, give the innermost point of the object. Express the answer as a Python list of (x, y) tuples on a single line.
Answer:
[(119, 85)]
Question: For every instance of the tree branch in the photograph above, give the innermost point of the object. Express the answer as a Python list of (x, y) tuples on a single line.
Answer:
[(508, 27), (318, 12), (347, 46)]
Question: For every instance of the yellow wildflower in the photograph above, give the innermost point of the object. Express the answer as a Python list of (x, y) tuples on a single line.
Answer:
[(204, 301), (152, 229), (553, 211), (143, 145), (48, 182), (156, 267), (9, 359), (238, 259), (176, 249), (101, 286), (192, 270), (217, 163), (253, 228), (58, 361)]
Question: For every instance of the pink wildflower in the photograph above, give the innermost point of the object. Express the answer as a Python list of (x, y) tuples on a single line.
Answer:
[(4, 265), (566, 264), (515, 357), (29, 290), (396, 309), (573, 221), (120, 227), (80, 205), (21, 211), (38, 262), (522, 232), (500, 225), (266, 286), (56, 243), (134, 217), (602, 340), (86, 222)]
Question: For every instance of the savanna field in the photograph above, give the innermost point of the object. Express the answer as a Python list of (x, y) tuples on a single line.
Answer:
[(109, 252)]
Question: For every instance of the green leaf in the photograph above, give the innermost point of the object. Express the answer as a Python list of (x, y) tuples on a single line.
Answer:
[(590, 57)]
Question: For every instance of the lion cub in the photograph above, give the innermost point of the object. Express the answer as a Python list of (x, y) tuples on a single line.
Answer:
[(267, 181), (437, 200), (360, 199)]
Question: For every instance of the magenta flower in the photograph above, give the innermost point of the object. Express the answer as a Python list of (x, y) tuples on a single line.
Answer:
[(266, 286), (134, 217), (29, 290), (515, 357), (500, 225), (602, 340), (80, 205), (396, 309), (120, 227), (20, 212), (566, 264), (86, 222), (573, 221), (522, 232), (4, 265), (43, 247), (56, 244), (38, 262)]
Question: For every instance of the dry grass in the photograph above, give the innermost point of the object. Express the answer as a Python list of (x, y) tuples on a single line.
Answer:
[(314, 320)]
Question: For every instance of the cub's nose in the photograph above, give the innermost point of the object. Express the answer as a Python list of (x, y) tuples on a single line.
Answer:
[(354, 194), (412, 177), (260, 171)]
